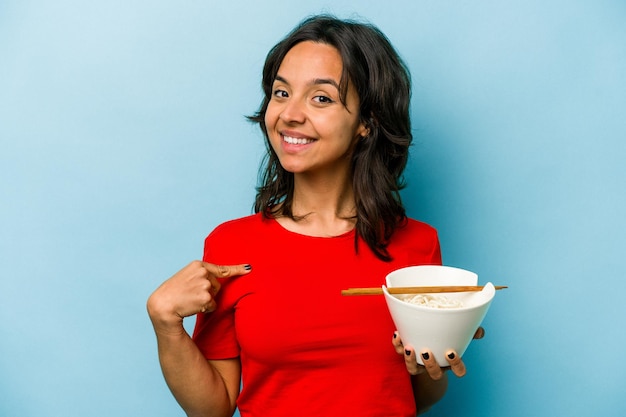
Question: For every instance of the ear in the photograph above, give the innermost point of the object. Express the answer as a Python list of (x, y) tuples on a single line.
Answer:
[(367, 125), (363, 130)]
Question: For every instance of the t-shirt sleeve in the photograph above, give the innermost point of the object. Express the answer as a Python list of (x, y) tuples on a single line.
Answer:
[(215, 333), (422, 243), (435, 256)]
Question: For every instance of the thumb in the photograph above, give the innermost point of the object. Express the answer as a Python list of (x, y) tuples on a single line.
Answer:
[(224, 271)]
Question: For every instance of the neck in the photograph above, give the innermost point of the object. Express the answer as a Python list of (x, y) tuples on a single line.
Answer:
[(330, 198), (322, 208)]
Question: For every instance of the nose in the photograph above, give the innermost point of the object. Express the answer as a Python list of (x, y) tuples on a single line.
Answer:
[(293, 112)]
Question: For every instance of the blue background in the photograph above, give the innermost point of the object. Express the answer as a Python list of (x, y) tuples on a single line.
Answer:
[(123, 143)]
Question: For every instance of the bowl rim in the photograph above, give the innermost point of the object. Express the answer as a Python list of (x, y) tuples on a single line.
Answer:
[(472, 275)]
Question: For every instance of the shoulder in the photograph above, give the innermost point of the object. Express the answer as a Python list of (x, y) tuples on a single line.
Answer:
[(419, 241), (234, 237), (236, 227), (252, 220)]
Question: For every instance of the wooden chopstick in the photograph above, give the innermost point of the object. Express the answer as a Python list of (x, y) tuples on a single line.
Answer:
[(416, 290)]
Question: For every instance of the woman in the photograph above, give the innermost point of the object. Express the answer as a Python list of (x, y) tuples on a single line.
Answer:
[(273, 334)]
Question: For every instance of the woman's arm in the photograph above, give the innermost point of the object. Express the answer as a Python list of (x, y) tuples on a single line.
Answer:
[(428, 391), (202, 388), (429, 381)]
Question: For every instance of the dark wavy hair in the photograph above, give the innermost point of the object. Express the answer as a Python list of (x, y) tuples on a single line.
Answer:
[(383, 84)]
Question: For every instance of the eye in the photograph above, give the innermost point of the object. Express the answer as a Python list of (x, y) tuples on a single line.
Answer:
[(278, 93), (323, 99)]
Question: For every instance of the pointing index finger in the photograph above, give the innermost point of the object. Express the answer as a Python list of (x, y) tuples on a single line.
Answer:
[(224, 271)]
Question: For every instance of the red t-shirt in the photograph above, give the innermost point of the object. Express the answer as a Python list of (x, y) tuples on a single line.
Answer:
[(305, 349)]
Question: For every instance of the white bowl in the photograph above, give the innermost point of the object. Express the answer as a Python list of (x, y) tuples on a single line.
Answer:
[(437, 329)]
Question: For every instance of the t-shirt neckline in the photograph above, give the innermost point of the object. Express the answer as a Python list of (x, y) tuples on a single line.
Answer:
[(349, 234)]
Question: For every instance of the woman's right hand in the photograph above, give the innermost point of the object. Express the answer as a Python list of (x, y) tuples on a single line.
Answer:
[(190, 291), (430, 364)]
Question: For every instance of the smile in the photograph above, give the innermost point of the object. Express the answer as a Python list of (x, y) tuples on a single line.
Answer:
[(297, 141)]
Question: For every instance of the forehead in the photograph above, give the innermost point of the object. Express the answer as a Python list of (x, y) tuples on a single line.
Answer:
[(312, 60)]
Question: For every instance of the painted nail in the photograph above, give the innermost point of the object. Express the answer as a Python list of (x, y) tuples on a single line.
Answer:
[(247, 267), (408, 352), (395, 335), (451, 355), (426, 356)]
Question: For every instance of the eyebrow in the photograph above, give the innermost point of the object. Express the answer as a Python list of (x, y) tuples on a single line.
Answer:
[(316, 81)]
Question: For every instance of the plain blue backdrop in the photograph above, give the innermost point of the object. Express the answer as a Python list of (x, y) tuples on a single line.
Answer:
[(124, 142)]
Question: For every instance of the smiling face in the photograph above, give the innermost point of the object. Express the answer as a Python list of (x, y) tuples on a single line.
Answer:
[(309, 128)]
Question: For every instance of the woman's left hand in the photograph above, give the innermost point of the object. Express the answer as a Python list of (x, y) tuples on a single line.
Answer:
[(430, 364)]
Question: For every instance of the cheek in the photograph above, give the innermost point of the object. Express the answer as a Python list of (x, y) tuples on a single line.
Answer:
[(271, 116), (351, 130), (270, 119)]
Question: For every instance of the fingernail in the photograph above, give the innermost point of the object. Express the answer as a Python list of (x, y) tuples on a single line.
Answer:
[(451, 355), (247, 267), (395, 335), (426, 356), (408, 352)]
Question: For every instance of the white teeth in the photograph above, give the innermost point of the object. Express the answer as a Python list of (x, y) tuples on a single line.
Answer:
[(296, 141)]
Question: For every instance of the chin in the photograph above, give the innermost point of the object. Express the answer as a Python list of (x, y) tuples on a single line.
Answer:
[(292, 169)]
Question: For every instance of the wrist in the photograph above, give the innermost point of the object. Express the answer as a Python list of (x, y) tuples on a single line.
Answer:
[(428, 391), (169, 328), (164, 320)]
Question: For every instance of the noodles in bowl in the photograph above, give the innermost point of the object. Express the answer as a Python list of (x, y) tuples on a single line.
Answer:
[(431, 300)]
